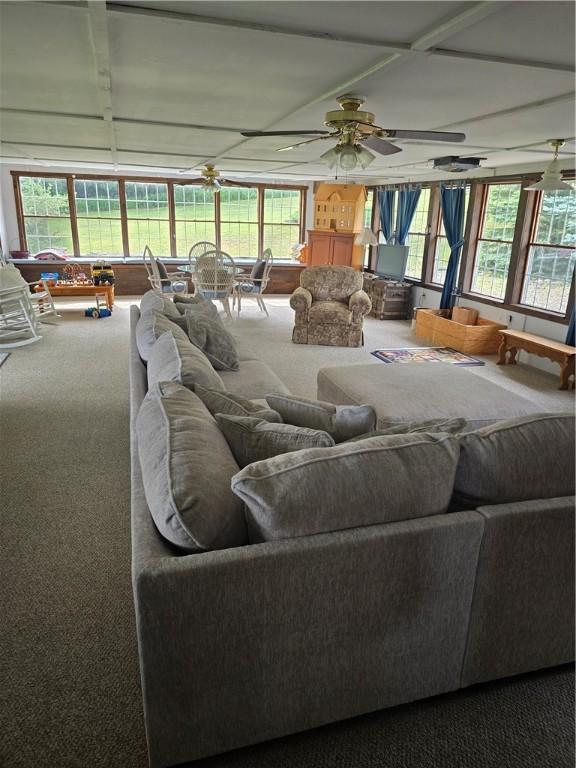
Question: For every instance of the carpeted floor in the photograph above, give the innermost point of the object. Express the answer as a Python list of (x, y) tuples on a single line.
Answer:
[(69, 690)]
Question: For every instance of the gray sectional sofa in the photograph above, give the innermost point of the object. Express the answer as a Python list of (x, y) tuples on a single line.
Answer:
[(245, 644)]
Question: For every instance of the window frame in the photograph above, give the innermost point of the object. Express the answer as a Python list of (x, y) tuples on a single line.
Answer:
[(479, 239), (531, 242), (171, 182)]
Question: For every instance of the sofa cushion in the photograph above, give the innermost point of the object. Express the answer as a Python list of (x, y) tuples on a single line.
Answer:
[(531, 457), (186, 470), (218, 401), (330, 312), (207, 332), (152, 300), (196, 303), (378, 480), (252, 439), (174, 359), (431, 426), (341, 421), (253, 380), (152, 324)]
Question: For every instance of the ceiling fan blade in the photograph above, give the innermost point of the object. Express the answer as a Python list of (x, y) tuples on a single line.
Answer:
[(256, 134), (452, 138), (308, 141), (381, 146)]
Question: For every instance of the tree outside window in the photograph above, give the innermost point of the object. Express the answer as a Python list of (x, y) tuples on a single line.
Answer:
[(551, 252), (494, 246)]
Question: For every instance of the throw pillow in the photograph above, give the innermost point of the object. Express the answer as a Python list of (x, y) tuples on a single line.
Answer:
[(257, 272), (173, 359), (530, 457), (232, 405), (150, 326), (186, 471), (194, 303), (251, 439), (340, 421), (448, 426), (379, 480), (209, 335), (152, 300)]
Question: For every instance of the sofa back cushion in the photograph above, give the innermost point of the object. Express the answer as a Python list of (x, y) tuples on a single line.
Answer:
[(175, 359), (218, 401), (186, 471), (530, 457), (152, 324), (331, 283), (152, 300), (341, 421), (378, 480), (252, 439)]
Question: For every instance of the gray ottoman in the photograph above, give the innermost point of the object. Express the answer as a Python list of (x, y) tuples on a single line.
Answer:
[(413, 392)]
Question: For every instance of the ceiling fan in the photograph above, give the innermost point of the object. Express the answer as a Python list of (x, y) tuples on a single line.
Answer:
[(210, 178), (354, 130)]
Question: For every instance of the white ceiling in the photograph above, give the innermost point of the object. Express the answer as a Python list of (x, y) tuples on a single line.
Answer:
[(167, 85)]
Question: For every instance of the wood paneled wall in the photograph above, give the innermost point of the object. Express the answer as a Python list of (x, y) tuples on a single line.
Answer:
[(132, 279)]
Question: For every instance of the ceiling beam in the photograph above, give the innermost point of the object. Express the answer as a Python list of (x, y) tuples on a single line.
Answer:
[(126, 150), (427, 44), (123, 120), (457, 23), (511, 110), (98, 32)]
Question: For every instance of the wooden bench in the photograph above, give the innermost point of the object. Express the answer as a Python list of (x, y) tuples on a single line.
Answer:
[(556, 351)]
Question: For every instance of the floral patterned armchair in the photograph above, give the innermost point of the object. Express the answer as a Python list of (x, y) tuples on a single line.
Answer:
[(330, 306)]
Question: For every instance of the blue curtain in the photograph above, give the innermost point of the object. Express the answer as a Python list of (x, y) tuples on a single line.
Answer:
[(407, 202), (452, 201), (386, 205), (571, 335)]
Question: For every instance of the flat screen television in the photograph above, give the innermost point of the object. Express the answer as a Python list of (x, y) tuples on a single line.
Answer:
[(391, 261)]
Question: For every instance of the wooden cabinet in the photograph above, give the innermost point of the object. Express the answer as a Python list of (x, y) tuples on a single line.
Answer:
[(335, 248)]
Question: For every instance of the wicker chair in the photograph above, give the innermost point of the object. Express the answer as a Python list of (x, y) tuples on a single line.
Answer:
[(199, 249), (162, 281), (215, 276), (330, 306), (255, 285)]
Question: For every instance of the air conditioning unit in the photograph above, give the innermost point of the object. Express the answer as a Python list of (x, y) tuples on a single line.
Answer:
[(455, 164)]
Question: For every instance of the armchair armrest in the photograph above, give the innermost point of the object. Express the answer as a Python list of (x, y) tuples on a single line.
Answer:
[(360, 305), (301, 300)]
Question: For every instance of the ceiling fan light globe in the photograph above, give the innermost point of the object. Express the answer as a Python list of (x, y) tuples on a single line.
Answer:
[(348, 158), (549, 183), (330, 157), (364, 156)]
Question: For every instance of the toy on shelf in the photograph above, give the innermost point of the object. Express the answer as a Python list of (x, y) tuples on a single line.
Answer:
[(74, 274), (50, 278), (102, 273)]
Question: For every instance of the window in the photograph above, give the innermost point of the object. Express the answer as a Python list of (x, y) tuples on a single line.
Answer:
[(46, 213), (148, 217), (417, 236), (98, 217), (239, 221), (442, 254), (195, 216), (281, 224), (494, 247), (551, 254), (368, 209), (119, 217)]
